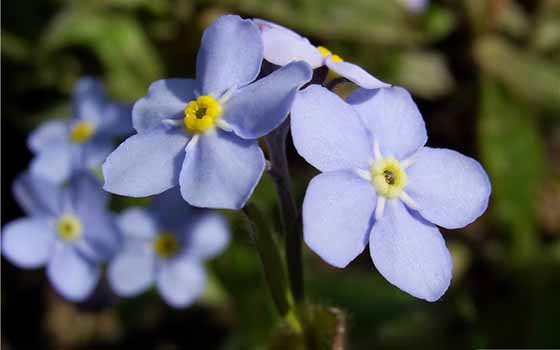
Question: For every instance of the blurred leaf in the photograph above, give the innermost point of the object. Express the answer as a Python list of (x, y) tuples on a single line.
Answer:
[(546, 36), (525, 75), (425, 73), (130, 61), (513, 152), (513, 20), (327, 331), (14, 47), (439, 21)]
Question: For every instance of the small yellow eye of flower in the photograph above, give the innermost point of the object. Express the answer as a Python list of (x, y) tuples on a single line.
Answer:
[(202, 114), (69, 227), (81, 132), (166, 245), (325, 52), (388, 177)]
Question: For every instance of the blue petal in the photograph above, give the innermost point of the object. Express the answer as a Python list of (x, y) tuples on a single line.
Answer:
[(85, 193), (221, 170), (410, 253), (171, 211), (166, 99), (393, 118), (355, 74), (117, 120), (96, 151), (37, 196), (230, 55), (208, 234), (132, 271), (88, 100), (145, 164), (180, 281), (337, 216), (260, 107), (451, 190), (71, 275), (282, 45), (328, 133), (28, 243), (137, 223), (55, 163), (47, 134)]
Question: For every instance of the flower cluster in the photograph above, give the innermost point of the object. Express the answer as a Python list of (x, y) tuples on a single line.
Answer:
[(196, 146)]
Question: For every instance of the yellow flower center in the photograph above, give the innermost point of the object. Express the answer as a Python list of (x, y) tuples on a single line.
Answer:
[(326, 52), (202, 114), (388, 177), (166, 245), (81, 132), (69, 227)]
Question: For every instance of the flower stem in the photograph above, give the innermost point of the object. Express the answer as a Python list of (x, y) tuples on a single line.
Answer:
[(291, 221)]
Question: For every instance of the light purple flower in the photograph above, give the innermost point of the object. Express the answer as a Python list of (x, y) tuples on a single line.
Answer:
[(201, 134), (416, 6), (67, 229), (82, 142), (380, 184), (283, 46), (166, 244)]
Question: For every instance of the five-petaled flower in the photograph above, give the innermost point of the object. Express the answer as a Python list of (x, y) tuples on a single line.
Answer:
[(201, 134), (381, 184), (167, 244), (282, 46), (83, 141), (68, 229)]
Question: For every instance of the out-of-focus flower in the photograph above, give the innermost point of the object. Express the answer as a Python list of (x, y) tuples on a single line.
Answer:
[(416, 6), (67, 229), (381, 184), (201, 134), (84, 141), (282, 46), (166, 245)]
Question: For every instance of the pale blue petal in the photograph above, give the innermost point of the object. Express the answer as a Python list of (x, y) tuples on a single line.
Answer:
[(146, 164), (337, 216), (88, 100), (355, 74), (96, 151), (47, 134), (166, 99), (54, 163), (137, 223), (451, 190), (71, 275), (260, 107), (180, 281), (131, 272), (208, 234), (230, 55), (393, 118), (117, 120), (37, 196), (328, 133), (101, 236), (282, 45), (85, 192), (221, 170), (28, 243), (410, 253)]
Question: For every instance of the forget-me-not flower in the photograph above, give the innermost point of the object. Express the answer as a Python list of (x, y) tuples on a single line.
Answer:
[(82, 142), (201, 134), (282, 46), (67, 229), (166, 244), (380, 184)]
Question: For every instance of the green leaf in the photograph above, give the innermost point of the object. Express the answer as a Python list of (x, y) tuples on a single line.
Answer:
[(119, 42), (513, 153), (525, 75)]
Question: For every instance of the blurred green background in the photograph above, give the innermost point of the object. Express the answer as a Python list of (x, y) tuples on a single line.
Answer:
[(486, 76)]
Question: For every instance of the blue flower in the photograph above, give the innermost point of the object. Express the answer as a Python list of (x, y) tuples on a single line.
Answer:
[(166, 245), (282, 46), (381, 185), (84, 141), (67, 229), (201, 134)]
